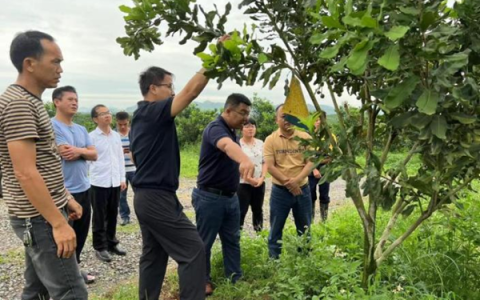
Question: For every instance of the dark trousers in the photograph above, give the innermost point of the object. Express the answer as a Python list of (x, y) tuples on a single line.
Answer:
[(323, 191), (249, 195), (124, 209), (281, 202), (219, 215), (82, 225), (46, 275), (104, 212), (166, 231)]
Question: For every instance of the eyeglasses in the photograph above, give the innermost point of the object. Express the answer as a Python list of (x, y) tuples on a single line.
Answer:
[(102, 114), (242, 113), (168, 85)]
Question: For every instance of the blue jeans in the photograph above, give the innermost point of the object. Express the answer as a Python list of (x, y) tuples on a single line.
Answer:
[(281, 202), (124, 210), (47, 275), (219, 215)]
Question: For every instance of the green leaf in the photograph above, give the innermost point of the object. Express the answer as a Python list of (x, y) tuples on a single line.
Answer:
[(391, 59), (369, 22), (357, 61), (397, 32), (401, 92), (457, 60), (428, 19), (428, 101), (410, 11), (125, 9), (402, 120), (348, 20), (274, 80), (438, 127), (330, 52), (331, 22), (318, 38), (205, 57), (340, 66), (262, 58), (420, 120), (463, 118)]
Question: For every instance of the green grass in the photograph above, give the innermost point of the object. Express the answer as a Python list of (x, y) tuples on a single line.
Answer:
[(13, 256), (189, 155), (129, 228)]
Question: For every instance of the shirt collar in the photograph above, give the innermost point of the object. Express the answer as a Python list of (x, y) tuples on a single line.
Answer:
[(98, 131), (222, 120)]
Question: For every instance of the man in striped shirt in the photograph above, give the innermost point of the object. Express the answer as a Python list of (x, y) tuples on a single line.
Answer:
[(33, 184), (123, 128)]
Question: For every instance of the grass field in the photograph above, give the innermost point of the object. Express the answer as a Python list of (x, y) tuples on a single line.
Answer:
[(189, 161)]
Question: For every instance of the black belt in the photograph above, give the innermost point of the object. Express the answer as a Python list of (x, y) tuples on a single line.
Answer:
[(282, 187), (216, 191)]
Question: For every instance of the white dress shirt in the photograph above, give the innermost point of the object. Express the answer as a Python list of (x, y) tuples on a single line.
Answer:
[(109, 168)]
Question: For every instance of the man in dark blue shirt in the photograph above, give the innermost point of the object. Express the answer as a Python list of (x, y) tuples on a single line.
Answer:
[(166, 231), (216, 204)]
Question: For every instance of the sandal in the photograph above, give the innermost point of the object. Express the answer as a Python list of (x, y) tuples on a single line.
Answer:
[(87, 277)]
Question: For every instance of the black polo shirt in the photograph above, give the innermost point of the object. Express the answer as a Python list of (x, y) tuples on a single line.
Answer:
[(154, 146), (215, 168)]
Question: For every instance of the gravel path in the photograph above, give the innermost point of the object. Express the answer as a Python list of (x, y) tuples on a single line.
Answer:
[(121, 269)]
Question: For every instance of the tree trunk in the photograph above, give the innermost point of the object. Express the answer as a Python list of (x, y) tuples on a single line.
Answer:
[(369, 263)]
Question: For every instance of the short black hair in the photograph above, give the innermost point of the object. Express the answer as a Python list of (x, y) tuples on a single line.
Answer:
[(58, 92), (152, 75), (27, 44), (251, 121), (234, 100), (122, 115), (93, 113), (278, 107)]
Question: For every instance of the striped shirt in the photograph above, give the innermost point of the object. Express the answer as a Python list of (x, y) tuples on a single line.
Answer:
[(23, 116), (129, 166)]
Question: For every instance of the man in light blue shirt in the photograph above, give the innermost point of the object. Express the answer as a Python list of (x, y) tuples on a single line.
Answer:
[(75, 148)]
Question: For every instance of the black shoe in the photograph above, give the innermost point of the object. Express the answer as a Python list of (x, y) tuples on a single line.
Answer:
[(117, 250), (103, 255)]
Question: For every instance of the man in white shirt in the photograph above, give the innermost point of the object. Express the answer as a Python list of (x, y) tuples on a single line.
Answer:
[(107, 177)]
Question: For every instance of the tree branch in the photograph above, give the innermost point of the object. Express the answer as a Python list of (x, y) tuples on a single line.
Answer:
[(402, 238)]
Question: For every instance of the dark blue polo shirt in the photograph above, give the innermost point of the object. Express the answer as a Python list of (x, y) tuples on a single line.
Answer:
[(154, 146), (216, 169)]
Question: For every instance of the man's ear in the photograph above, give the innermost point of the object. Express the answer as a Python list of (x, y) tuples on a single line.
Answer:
[(29, 64)]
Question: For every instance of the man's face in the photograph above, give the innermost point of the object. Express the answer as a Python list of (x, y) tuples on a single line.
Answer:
[(122, 125), (104, 116), (67, 104), (46, 69), (237, 116), (163, 90), (281, 122)]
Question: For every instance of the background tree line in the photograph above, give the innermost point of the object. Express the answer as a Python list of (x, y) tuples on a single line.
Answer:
[(193, 120)]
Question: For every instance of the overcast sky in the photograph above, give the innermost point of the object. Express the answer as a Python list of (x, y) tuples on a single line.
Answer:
[(94, 63)]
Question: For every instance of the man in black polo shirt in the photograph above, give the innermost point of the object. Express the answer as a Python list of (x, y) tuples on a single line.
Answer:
[(215, 201), (166, 231)]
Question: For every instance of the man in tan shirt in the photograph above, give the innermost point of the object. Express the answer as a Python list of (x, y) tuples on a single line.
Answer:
[(289, 169)]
